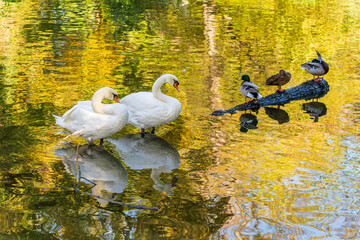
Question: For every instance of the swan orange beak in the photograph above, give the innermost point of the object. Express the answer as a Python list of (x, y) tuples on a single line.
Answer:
[(176, 84), (116, 99)]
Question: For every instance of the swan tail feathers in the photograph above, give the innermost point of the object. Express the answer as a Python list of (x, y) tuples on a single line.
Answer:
[(74, 135), (68, 114), (57, 119)]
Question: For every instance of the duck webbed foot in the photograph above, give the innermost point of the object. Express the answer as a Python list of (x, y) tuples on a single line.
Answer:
[(318, 79)]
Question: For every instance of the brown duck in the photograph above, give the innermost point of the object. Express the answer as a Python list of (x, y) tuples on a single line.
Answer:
[(279, 79)]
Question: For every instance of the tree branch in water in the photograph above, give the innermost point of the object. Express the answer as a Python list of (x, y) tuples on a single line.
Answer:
[(307, 90), (121, 203)]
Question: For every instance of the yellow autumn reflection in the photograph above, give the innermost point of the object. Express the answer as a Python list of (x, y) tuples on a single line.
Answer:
[(294, 180)]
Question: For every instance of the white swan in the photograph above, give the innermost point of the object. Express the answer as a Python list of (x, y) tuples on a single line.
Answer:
[(152, 109), (94, 120)]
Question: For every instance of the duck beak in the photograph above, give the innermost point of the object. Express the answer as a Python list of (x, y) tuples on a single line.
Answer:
[(116, 98), (176, 84)]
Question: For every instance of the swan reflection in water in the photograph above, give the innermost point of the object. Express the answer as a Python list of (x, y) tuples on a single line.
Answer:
[(248, 121), (149, 152), (315, 109), (97, 166)]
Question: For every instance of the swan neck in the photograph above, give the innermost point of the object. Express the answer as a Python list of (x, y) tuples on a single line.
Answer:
[(156, 90), (97, 104)]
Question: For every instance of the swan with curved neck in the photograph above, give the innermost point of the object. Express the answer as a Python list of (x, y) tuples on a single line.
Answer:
[(93, 120), (152, 109)]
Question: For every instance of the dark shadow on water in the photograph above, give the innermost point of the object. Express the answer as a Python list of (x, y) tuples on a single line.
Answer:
[(248, 122), (315, 110), (280, 115)]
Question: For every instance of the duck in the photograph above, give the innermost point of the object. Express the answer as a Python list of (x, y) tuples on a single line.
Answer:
[(93, 120), (152, 109), (279, 80), (249, 89), (317, 67)]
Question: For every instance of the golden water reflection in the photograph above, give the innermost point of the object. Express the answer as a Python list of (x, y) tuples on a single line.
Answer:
[(295, 176)]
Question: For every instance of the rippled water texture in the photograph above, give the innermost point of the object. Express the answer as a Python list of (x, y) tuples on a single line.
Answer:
[(282, 173)]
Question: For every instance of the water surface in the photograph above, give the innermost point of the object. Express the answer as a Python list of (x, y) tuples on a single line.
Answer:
[(293, 174)]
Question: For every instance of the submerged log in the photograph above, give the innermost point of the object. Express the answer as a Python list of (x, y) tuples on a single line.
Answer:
[(307, 90)]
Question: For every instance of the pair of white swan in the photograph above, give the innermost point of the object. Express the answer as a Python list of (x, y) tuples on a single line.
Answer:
[(93, 120)]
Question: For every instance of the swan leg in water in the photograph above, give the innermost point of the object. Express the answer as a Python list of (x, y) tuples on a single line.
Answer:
[(142, 132)]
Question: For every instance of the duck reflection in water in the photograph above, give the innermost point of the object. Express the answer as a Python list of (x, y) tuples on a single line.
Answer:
[(315, 109), (97, 166), (148, 152), (248, 121), (277, 114)]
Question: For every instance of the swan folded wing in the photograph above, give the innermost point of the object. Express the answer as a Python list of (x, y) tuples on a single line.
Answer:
[(146, 111), (94, 125), (85, 105), (69, 115), (76, 118), (141, 101)]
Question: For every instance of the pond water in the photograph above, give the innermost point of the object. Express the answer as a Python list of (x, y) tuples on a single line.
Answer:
[(289, 174)]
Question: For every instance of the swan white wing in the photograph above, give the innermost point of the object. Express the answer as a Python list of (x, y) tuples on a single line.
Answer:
[(93, 120), (85, 105), (69, 115), (84, 122), (146, 111), (139, 100)]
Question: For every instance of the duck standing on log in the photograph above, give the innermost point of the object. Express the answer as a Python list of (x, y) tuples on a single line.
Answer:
[(317, 67), (279, 80), (249, 89)]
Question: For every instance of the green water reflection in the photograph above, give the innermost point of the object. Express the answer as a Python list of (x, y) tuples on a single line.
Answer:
[(292, 176)]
